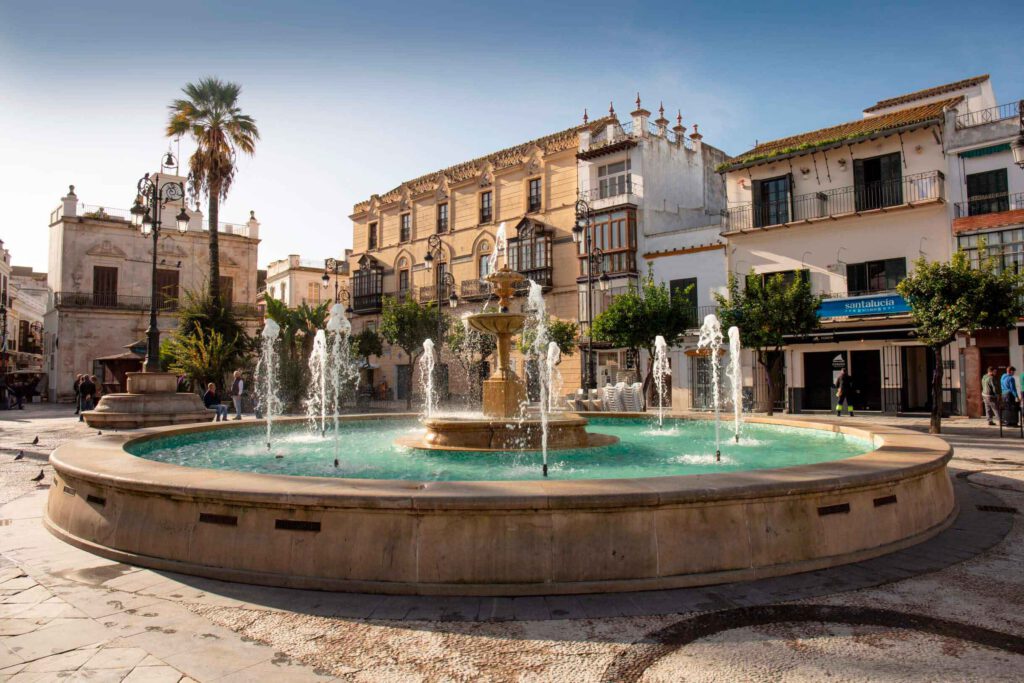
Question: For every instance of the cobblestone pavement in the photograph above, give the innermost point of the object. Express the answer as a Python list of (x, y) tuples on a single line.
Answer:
[(950, 609)]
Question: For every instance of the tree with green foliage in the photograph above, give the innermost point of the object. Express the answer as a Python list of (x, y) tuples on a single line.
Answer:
[(635, 318), (365, 344), (563, 332), (407, 324), (210, 114), (947, 299), (470, 348), (766, 311), (209, 341)]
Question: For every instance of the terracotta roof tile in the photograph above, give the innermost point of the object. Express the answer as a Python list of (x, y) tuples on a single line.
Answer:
[(927, 92), (861, 128), (510, 156)]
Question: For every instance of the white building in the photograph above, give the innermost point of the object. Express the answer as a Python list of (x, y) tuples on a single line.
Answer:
[(851, 207), (100, 276), (296, 280), (653, 192)]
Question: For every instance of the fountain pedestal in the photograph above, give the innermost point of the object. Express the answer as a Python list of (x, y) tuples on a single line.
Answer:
[(505, 424), (152, 399)]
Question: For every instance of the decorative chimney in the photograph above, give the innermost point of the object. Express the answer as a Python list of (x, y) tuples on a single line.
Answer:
[(640, 117), (610, 131), (696, 137), (679, 129), (254, 226), (661, 122), (584, 133), (70, 203), (195, 220)]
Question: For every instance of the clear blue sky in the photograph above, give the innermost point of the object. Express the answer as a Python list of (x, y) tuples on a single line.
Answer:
[(353, 98)]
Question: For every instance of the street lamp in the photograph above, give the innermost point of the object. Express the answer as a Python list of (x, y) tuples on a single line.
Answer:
[(582, 235), (151, 199)]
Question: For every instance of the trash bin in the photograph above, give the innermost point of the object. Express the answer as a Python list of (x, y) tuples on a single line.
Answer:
[(1010, 412)]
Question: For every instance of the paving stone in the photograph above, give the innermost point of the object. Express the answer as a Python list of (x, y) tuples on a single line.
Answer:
[(117, 658), (209, 661), (66, 661), (58, 636), (154, 674)]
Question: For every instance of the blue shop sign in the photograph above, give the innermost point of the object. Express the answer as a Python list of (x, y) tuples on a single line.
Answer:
[(876, 304)]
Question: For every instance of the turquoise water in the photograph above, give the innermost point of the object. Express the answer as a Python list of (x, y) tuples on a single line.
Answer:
[(366, 450)]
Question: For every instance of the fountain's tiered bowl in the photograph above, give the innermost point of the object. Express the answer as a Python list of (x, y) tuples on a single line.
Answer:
[(505, 422)]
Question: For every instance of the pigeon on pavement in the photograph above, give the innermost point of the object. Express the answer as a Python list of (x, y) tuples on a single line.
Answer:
[(20, 455), (38, 477), (35, 441)]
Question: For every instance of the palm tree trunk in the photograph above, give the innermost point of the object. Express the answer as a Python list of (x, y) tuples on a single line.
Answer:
[(214, 219)]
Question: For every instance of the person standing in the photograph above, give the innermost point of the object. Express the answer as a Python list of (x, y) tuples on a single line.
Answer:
[(237, 388), (78, 393), (211, 399), (844, 392), (88, 393), (990, 395), (1011, 398)]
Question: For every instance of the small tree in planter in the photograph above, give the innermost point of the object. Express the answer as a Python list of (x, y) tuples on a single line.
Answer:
[(406, 324), (765, 311), (948, 298)]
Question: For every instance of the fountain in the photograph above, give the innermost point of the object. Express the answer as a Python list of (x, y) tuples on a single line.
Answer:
[(343, 371), (427, 364), (501, 425), (661, 369), (266, 374), (316, 402), (711, 339), (735, 374)]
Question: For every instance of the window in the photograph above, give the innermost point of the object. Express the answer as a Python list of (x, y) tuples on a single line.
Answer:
[(403, 283), (440, 270), (533, 197), (227, 289), (614, 179), (987, 192), (167, 288), (788, 276), (404, 227), (486, 207), (104, 286), (771, 201), (442, 218), (1006, 246), (484, 265), (529, 252), (313, 291), (875, 276), (372, 237), (878, 182), (615, 234)]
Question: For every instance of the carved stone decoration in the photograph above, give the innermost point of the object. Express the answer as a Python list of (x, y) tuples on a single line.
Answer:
[(486, 174), (168, 247), (534, 162), (107, 249), (403, 198), (441, 190)]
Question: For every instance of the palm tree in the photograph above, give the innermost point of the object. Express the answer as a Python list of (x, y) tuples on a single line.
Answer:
[(210, 114)]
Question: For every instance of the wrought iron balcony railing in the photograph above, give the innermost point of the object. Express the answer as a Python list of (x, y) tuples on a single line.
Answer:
[(371, 302), (980, 205), (624, 188), (542, 276), (474, 289), (840, 201), (428, 293), (101, 300), (990, 115)]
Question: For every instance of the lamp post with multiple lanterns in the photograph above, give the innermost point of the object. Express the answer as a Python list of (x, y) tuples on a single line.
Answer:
[(583, 236), (147, 215), (444, 281), (332, 266)]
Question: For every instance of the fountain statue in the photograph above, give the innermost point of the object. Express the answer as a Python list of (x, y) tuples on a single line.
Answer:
[(504, 423)]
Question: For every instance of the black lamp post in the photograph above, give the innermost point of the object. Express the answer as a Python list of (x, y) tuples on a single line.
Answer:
[(444, 281), (1017, 146), (153, 196), (332, 266), (3, 337), (582, 234)]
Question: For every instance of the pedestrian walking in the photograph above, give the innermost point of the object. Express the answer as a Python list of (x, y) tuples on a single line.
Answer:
[(844, 392), (88, 392), (990, 395), (1011, 398), (237, 389), (211, 399), (78, 393)]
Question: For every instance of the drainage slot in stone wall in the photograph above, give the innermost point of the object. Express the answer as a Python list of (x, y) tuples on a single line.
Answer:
[(225, 520), (998, 508), (70, 491), (839, 509), (96, 500), (885, 500), (296, 525)]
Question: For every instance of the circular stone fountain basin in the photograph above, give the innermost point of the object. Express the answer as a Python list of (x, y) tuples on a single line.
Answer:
[(483, 435), (870, 490)]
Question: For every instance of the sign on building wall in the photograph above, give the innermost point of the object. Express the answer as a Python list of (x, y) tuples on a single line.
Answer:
[(875, 304)]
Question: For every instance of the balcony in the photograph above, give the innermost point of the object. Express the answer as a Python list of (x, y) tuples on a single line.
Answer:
[(990, 115), (542, 276), (371, 302), (988, 211), (110, 300), (626, 191), (428, 293), (473, 290), (912, 190)]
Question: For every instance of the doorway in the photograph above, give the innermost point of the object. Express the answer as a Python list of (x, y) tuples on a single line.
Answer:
[(866, 371), (820, 371), (403, 386), (918, 366)]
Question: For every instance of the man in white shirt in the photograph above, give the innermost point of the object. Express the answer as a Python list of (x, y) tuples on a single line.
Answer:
[(237, 387)]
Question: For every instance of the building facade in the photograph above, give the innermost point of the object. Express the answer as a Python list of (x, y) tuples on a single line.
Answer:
[(295, 280), (662, 187), (100, 277), (850, 208), (29, 296)]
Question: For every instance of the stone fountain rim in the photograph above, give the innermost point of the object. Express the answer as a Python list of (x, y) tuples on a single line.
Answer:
[(899, 454)]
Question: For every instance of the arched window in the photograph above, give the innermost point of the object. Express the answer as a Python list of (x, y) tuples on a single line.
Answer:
[(484, 259)]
